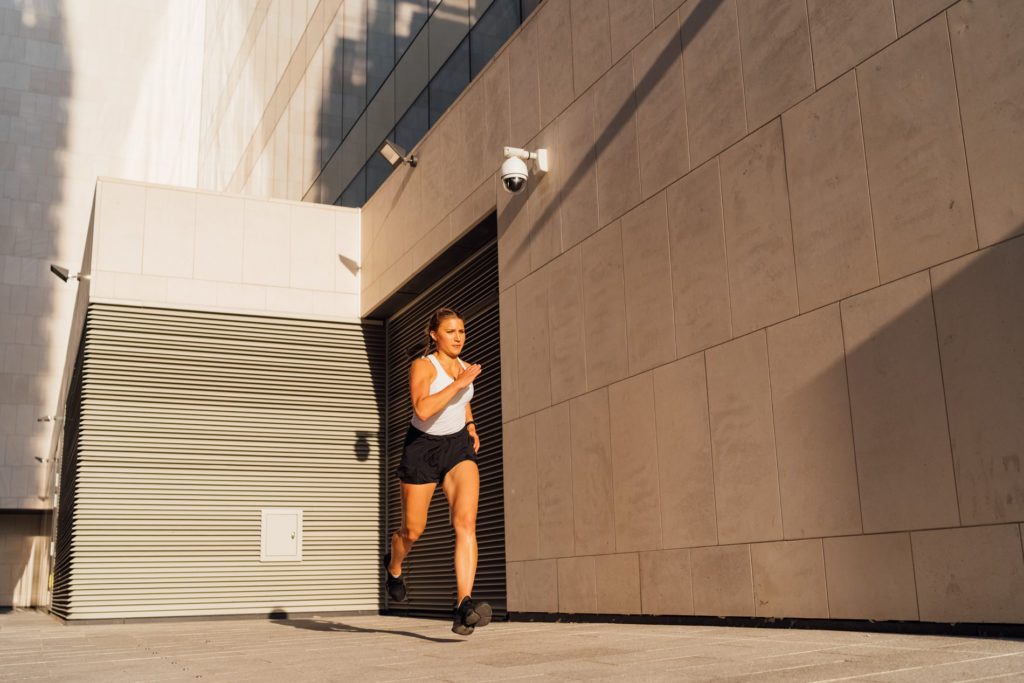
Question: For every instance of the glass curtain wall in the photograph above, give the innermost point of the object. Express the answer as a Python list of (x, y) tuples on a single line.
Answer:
[(375, 45)]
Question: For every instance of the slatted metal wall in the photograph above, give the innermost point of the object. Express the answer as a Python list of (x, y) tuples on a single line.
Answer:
[(193, 422), (472, 289)]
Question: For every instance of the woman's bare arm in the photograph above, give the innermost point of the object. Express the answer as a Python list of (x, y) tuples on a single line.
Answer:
[(421, 374)]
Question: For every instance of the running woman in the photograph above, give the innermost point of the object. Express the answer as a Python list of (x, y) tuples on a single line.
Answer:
[(441, 447)]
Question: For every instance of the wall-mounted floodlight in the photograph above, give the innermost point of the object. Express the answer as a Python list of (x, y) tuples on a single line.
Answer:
[(65, 274), (514, 171), (48, 418), (395, 154)]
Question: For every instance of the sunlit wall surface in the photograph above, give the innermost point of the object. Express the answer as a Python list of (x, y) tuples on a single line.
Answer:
[(88, 89), (298, 96)]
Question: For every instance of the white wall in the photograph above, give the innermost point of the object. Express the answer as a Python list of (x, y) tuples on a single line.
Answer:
[(172, 246), (103, 87)]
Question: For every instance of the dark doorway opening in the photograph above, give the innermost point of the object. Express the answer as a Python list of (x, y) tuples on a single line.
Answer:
[(465, 278)]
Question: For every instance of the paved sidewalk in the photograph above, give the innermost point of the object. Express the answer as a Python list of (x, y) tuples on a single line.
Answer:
[(34, 646)]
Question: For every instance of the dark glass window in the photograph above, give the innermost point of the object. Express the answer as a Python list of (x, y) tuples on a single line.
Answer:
[(410, 16), (354, 195), (351, 49), (377, 171), (451, 79), (380, 44), (491, 31), (529, 6), (414, 124)]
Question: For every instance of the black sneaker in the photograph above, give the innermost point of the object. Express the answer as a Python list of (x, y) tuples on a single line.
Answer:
[(469, 615), (394, 585)]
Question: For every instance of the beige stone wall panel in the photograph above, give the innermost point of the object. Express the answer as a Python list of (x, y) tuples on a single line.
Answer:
[(579, 179), (988, 54), (513, 235), (871, 577), (515, 587), (666, 584), (970, 574), (843, 34), (917, 169), (979, 311), (544, 205), (509, 354), (475, 207), (722, 581), (715, 109), (912, 13), (660, 108), (615, 143), (524, 63), (577, 585), (554, 59), (533, 343), (663, 8), (901, 438), (591, 42), (685, 467), (635, 469), (593, 500), (519, 449), (758, 231), (486, 126), (789, 579), (618, 583), (700, 276), (604, 308), (629, 22), (743, 441), (554, 482), (813, 432), (833, 237), (540, 586), (565, 319), (775, 45), (647, 269)]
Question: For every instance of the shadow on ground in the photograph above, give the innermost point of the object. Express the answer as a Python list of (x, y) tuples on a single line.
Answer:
[(337, 626)]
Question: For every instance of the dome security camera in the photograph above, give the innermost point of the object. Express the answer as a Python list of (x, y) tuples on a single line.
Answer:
[(514, 174), (514, 171)]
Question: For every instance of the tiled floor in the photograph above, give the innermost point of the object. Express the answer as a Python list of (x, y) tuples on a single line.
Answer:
[(376, 648)]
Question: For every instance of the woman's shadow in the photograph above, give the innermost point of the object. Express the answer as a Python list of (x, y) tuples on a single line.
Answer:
[(317, 625)]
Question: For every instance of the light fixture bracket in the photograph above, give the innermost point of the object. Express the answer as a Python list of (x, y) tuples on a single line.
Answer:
[(395, 155)]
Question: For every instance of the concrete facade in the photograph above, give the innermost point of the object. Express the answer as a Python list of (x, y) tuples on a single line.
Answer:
[(762, 320)]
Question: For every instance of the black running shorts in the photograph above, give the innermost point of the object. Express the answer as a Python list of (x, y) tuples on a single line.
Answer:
[(426, 458)]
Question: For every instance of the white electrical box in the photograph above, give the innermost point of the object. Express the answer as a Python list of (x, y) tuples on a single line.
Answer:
[(281, 538)]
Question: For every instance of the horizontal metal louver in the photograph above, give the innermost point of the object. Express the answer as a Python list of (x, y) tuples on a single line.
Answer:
[(190, 424), (471, 289)]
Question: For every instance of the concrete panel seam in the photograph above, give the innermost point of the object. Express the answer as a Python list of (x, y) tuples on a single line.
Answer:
[(711, 452), (963, 133), (849, 407), (743, 91), (789, 206), (867, 169), (945, 403)]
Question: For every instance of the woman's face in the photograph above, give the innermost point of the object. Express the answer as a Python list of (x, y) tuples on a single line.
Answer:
[(450, 336)]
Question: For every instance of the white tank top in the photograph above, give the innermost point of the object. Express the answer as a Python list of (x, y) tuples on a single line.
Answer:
[(452, 417)]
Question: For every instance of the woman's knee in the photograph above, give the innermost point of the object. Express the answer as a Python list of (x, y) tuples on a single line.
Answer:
[(410, 533), (464, 523)]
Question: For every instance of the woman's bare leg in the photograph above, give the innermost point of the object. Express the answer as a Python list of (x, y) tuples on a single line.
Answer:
[(415, 505), (462, 488)]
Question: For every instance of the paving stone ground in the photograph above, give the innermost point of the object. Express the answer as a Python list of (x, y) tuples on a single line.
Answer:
[(37, 647)]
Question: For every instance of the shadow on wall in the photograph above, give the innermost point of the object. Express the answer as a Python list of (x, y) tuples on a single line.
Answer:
[(691, 26), (37, 91)]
